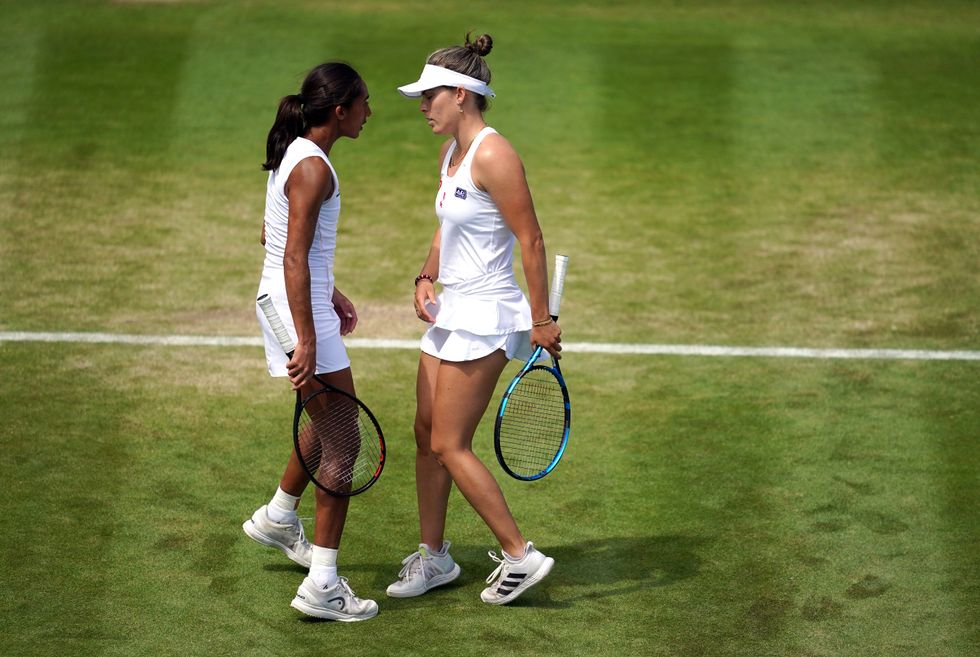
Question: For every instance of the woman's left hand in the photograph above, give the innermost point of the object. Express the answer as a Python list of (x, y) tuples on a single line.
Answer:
[(345, 311)]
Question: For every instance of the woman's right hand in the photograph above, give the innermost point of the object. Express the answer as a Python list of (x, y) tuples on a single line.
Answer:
[(302, 365), (425, 295), (548, 337)]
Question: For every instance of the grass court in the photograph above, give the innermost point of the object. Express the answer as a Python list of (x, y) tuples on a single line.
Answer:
[(724, 173)]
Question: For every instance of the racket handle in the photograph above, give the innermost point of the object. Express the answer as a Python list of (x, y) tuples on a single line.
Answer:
[(275, 322), (557, 284)]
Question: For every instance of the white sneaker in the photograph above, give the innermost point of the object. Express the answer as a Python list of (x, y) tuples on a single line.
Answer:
[(336, 602), (510, 579), (289, 538), (422, 571)]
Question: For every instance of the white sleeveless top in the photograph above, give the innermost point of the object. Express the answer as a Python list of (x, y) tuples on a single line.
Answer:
[(331, 355), (277, 218), (476, 253)]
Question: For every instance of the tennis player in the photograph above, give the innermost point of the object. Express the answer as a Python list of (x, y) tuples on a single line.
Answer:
[(300, 234), (478, 323)]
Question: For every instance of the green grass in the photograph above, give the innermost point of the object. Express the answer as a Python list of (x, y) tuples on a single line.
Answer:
[(763, 507), (745, 173)]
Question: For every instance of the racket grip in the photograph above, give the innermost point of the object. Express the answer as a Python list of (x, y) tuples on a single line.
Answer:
[(557, 285), (275, 322)]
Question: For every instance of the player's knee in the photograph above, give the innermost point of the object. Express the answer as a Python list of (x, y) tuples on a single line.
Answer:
[(424, 450), (423, 432), (445, 452), (433, 450)]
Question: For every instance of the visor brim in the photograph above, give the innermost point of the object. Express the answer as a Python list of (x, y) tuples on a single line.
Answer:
[(436, 76), (414, 90)]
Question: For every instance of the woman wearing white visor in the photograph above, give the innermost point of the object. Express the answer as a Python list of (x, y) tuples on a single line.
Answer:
[(479, 321)]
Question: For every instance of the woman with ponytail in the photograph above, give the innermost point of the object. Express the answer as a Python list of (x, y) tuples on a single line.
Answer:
[(302, 208), (480, 321)]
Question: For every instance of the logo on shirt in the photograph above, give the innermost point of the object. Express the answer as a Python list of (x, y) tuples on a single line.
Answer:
[(461, 193)]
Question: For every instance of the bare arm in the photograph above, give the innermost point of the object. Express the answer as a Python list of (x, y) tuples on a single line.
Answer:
[(498, 169), (309, 184), (345, 311), (425, 290)]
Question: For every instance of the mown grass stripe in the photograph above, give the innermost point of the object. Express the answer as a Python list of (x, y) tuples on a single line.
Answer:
[(638, 349)]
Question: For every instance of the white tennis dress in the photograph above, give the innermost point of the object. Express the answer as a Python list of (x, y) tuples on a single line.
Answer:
[(481, 308), (331, 355)]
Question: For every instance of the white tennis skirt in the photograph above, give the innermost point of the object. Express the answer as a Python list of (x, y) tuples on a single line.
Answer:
[(459, 345), (331, 354)]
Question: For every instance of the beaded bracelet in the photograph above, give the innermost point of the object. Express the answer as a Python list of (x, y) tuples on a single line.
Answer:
[(421, 277), (542, 322)]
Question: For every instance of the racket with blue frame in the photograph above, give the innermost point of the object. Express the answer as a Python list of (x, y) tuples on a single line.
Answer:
[(535, 416)]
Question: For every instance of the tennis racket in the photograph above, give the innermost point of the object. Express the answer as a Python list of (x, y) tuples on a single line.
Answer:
[(534, 419), (337, 438)]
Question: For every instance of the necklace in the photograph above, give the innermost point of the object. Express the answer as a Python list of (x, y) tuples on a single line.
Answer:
[(462, 153)]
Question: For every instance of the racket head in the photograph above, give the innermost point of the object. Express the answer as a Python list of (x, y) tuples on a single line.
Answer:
[(338, 441), (533, 422)]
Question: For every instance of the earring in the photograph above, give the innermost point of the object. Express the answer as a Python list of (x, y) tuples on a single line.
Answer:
[(460, 107)]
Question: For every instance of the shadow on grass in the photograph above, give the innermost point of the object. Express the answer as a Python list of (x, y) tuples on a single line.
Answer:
[(611, 567), (616, 566), (287, 567)]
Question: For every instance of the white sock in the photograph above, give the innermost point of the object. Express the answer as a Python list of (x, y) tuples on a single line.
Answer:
[(515, 559), (440, 553), (323, 569), (282, 507)]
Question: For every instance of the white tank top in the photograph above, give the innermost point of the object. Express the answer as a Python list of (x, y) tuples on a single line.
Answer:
[(277, 219), (476, 254)]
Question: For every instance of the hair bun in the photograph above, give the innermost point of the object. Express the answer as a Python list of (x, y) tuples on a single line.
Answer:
[(482, 46)]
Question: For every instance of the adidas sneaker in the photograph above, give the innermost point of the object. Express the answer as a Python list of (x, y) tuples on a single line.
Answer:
[(512, 578), (422, 571)]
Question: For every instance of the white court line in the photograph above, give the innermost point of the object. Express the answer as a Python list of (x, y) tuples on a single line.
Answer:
[(574, 347), (771, 352)]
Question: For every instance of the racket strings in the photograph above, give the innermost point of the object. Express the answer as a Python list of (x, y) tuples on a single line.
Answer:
[(338, 443), (532, 428)]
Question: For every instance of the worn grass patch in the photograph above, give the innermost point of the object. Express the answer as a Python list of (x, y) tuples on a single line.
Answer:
[(746, 173)]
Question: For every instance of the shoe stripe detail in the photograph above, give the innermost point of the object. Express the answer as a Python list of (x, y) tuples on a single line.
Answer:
[(510, 582), (508, 590)]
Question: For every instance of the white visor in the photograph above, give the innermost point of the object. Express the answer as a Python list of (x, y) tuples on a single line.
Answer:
[(437, 76)]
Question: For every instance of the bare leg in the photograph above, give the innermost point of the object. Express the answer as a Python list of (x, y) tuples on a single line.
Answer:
[(294, 479), (432, 481), (331, 512), (462, 392)]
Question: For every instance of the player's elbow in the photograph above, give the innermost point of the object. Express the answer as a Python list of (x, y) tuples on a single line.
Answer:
[(293, 262), (532, 240)]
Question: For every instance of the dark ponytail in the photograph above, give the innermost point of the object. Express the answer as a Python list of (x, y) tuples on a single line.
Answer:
[(325, 87), (288, 126)]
